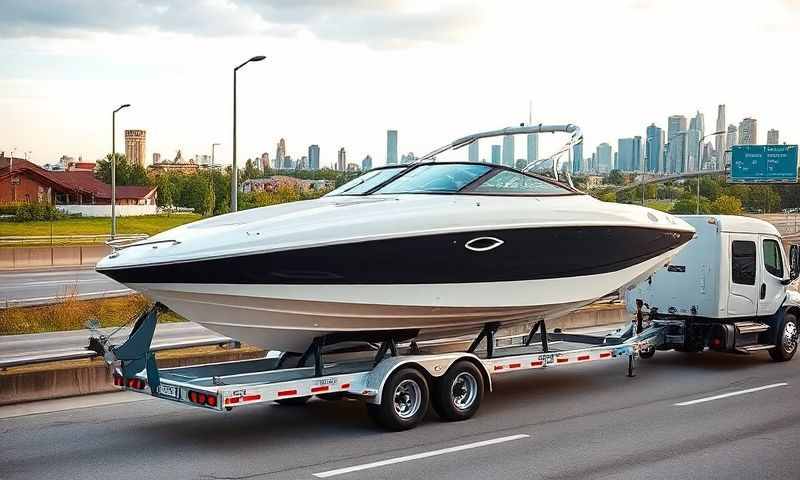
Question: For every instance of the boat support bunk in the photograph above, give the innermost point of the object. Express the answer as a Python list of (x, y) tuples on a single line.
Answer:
[(398, 383)]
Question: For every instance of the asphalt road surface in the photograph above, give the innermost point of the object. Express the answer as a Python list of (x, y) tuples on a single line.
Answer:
[(563, 423), (37, 287)]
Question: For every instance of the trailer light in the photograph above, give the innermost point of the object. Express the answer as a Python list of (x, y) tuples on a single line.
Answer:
[(119, 381), (201, 398), (192, 397), (716, 342), (211, 401)]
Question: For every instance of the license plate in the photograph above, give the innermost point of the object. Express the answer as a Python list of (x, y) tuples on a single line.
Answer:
[(169, 391)]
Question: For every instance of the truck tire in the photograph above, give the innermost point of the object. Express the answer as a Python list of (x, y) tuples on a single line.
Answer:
[(458, 393), (404, 402), (292, 402), (787, 340)]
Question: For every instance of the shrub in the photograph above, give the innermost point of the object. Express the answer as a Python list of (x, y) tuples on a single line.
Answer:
[(28, 212)]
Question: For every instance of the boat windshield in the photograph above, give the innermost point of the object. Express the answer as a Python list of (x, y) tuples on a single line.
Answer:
[(436, 178), (367, 182)]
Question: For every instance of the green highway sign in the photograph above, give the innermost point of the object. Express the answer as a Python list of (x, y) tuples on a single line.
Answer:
[(763, 163)]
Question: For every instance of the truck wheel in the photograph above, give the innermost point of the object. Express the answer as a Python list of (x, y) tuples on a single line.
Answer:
[(458, 393), (292, 402), (404, 401), (787, 340)]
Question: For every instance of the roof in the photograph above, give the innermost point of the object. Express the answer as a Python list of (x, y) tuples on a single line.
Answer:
[(733, 223), (82, 181)]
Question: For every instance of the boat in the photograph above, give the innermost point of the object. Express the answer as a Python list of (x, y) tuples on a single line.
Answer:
[(432, 248)]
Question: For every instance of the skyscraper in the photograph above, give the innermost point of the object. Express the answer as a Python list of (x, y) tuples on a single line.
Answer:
[(496, 154), (748, 131), (719, 140), (654, 148), (577, 158), (773, 137), (694, 160), (366, 164), (630, 154), (532, 139), (156, 158), (508, 150), (264, 162), (730, 140), (473, 151), (280, 153), (135, 146), (313, 157), (341, 160), (604, 158), (676, 141), (391, 147)]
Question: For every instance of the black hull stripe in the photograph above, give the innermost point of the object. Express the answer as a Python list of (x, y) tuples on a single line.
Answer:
[(526, 254)]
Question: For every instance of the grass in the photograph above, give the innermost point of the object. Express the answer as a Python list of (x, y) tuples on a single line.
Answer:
[(149, 224), (72, 314), (663, 205)]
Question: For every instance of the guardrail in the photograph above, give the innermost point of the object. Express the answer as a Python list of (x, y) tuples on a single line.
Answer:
[(47, 240), (79, 353), (5, 302)]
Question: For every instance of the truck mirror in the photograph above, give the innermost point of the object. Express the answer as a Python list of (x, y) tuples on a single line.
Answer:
[(794, 262)]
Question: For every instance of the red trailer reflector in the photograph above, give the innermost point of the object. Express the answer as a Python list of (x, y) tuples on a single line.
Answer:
[(562, 360), (232, 400), (605, 354), (345, 386), (212, 401), (583, 357), (537, 363), (201, 398), (250, 398), (286, 393), (321, 388), (498, 367), (515, 365)]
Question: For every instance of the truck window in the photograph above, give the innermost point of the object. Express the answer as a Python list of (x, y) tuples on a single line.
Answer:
[(743, 267), (772, 258)]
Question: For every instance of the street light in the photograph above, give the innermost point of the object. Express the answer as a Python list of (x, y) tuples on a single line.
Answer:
[(234, 172), (700, 164), (114, 169)]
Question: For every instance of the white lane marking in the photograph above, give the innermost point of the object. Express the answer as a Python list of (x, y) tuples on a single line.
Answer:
[(407, 458), (731, 394)]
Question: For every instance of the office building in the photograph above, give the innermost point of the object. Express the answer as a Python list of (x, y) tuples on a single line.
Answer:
[(773, 137), (604, 158), (391, 147), (135, 147), (532, 153), (654, 149), (630, 154), (720, 140), (577, 158), (341, 160), (473, 152), (313, 157), (496, 154), (730, 140), (288, 163), (156, 157), (676, 144), (366, 164), (265, 165), (280, 153), (748, 131), (508, 150)]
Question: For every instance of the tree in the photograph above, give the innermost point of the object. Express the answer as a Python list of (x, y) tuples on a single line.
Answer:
[(615, 177), (250, 170), (167, 190), (709, 188), (688, 205), (726, 205), (126, 173)]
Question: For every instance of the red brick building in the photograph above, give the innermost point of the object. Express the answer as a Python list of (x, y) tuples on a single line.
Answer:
[(24, 181)]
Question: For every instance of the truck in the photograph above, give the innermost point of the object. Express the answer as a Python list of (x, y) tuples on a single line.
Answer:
[(727, 290)]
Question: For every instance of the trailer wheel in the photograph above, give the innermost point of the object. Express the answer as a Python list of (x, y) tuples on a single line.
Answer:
[(648, 353), (458, 393), (292, 402), (404, 402), (787, 340)]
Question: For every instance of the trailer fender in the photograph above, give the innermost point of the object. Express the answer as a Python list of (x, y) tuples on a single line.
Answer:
[(432, 366)]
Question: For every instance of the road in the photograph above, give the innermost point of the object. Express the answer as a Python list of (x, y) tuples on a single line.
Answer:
[(38, 287), (72, 343), (565, 423)]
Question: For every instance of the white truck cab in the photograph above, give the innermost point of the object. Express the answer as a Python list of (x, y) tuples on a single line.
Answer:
[(731, 284)]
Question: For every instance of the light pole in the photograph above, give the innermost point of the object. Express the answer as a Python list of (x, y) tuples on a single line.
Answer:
[(234, 172), (700, 164), (114, 169)]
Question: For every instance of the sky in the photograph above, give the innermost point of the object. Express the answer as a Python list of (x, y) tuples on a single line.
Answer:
[(340, 73)]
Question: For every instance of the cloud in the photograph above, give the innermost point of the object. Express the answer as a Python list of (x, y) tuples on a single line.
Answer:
[(377, 23)]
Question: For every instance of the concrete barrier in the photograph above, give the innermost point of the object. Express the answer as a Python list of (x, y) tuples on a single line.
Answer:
[(68, 379), (20, 258)]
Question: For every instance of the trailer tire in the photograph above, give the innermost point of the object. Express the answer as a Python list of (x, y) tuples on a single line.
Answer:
[(292, 402), (787, 340), (458, 393), (404, 402)]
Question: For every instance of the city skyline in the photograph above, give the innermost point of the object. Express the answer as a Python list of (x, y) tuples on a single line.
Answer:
[(70, 71)]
